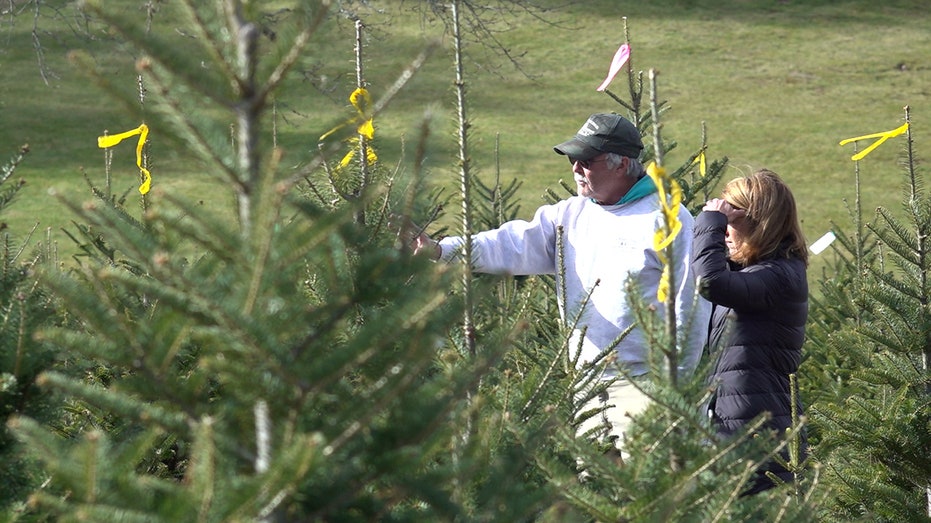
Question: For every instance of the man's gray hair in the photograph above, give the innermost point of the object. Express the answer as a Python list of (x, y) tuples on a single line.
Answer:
[(635, 169)]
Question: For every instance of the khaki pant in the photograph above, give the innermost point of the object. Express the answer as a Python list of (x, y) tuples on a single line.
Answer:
[(623, 400)]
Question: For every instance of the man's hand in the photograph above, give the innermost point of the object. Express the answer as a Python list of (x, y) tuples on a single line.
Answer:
[(412, 236), (427, 245)]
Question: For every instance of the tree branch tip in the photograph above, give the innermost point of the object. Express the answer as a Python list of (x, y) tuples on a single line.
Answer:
[(143, 64)]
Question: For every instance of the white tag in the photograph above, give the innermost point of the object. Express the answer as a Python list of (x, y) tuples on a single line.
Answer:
[(822, 242)]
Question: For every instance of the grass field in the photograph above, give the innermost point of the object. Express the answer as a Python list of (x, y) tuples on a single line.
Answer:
[(776, 83)]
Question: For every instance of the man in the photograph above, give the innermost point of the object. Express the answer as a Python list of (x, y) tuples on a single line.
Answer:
[(608, 232)]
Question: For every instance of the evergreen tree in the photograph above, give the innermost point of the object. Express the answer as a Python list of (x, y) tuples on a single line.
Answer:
[(876, 432), (296, 364), (25, 307)]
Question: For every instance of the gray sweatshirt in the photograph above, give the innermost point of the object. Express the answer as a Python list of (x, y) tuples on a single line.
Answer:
[(603, 246)]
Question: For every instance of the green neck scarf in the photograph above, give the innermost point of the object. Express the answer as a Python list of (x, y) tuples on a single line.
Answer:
[(643, 187)]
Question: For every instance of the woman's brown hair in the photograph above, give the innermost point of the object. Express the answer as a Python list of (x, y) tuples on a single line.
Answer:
[(771, 218)]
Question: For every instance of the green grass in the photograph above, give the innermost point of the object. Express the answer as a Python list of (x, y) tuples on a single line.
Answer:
[(776, 83)]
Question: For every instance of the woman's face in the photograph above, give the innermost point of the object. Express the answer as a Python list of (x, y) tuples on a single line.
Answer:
[(737, 225), (735, 234)]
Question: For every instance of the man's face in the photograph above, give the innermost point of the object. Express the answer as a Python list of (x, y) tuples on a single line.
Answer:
[(596, 180)]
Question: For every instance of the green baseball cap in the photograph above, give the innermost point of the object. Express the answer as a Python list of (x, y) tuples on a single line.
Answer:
[(603, 133)]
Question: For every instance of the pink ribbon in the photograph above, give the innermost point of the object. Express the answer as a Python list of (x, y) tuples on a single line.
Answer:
[(620, 58)]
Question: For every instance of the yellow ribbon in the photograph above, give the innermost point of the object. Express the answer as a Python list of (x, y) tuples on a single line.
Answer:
[(657, 174), (362, 101), (664, 236), (700, 160), (662, 290), (882, 137), (110, 140), (354, 148)]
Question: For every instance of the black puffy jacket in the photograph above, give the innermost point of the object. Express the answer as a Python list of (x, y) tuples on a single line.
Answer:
[(756, 331)]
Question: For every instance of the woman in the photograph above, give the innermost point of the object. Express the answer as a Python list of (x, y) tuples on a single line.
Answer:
[(750, 258)]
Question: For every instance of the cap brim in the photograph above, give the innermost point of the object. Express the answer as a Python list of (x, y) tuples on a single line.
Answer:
[(577, 150)]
